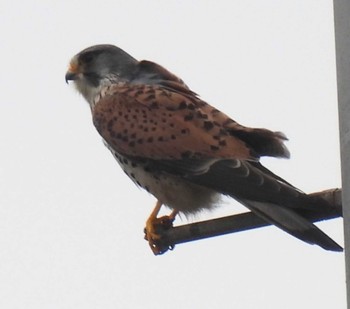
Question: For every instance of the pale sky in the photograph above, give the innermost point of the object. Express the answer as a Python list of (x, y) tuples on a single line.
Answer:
[(71, 222)]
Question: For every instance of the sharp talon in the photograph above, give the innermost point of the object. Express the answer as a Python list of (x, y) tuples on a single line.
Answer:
[(154, 231), (154, 234)]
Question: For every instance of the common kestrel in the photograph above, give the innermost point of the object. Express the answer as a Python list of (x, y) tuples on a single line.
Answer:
[(181, 149)]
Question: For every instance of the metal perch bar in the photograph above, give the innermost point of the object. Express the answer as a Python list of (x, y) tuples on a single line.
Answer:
[(242, 222)]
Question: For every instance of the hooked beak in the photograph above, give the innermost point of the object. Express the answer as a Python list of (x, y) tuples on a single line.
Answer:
[(70, 76), (73, 71)]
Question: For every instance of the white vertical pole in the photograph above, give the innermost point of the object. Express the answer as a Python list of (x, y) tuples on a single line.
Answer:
[(342, 40)]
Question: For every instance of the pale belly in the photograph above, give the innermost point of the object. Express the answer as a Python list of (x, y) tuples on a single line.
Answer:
[(174, 192)]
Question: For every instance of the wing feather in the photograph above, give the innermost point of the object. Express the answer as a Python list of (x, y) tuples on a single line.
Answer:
[(177, 133), (153, 122)]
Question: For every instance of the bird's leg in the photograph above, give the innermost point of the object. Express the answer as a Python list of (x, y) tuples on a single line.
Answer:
[(155, 227)]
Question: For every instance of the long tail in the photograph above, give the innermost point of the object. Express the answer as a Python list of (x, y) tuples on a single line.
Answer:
[(270, 197), (292, 223)]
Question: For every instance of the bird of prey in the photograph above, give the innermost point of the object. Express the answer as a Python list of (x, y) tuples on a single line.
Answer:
[(181, 149)]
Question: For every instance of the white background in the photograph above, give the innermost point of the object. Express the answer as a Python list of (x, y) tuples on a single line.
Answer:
[(71, 222)]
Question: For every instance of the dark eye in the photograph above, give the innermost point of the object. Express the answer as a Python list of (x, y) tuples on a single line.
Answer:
[(87, 58)]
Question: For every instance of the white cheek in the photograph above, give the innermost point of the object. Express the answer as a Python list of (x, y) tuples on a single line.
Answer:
[(88, 92)]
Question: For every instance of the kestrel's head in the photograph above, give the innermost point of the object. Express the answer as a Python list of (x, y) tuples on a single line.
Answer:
[(98, 66)]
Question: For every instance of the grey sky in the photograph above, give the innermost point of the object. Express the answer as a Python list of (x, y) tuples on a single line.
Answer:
[(71, 222)]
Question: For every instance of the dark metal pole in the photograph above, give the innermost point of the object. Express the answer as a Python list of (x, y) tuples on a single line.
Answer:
[(342, 41), (171, 236)]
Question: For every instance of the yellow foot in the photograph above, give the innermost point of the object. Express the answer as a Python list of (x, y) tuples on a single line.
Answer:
[(155, 228)]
